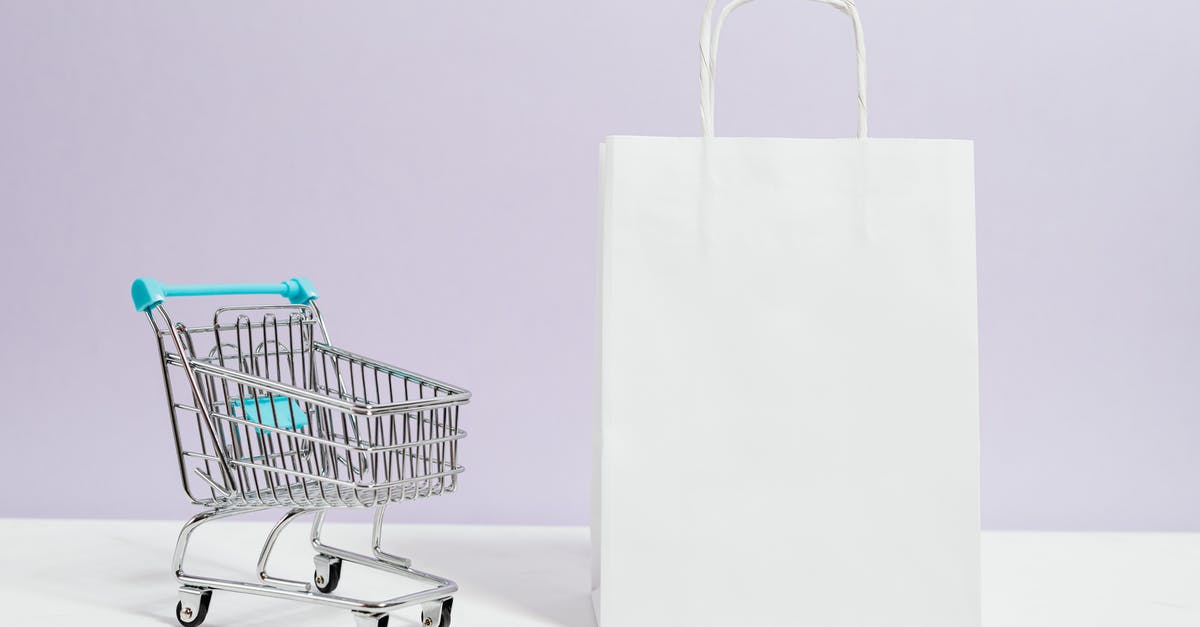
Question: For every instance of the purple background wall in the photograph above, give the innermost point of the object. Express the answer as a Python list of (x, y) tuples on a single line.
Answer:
[(432, 166)]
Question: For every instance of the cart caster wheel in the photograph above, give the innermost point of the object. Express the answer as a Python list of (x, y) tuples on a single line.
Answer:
[(370, 620), (194, 613), (437, 614), (328, 573)]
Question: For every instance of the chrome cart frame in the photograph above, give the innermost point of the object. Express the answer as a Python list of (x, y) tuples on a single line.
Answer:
[(277, 417)]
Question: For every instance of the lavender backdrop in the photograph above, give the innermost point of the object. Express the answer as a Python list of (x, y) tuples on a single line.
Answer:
[(432, 166)]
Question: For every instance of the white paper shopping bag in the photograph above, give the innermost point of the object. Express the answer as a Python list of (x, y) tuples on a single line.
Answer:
[(788, 420)]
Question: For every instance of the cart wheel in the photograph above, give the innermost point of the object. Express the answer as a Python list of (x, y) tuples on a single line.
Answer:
[(189, 617), (327, 581), (437, 616)]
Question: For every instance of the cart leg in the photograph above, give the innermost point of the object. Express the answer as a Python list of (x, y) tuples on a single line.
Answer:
[(377, 540), (269, 546), (328, 571), (185, 534), (317, 525)]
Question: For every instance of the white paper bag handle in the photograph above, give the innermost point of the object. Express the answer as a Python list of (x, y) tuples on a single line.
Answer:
[(710, 38)]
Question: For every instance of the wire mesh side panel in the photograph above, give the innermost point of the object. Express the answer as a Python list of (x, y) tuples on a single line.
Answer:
[(412, 454), (289, 450)]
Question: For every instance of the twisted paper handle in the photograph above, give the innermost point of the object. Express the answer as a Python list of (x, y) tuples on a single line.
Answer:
[(710, 39)]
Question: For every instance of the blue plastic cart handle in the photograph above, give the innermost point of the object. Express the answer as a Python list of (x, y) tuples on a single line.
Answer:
[(148, 293)]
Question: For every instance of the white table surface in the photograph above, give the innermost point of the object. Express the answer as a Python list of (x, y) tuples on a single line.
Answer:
[(101, 573)]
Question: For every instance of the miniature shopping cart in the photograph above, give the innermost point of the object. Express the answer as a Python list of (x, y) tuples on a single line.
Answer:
[(266, 412)]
